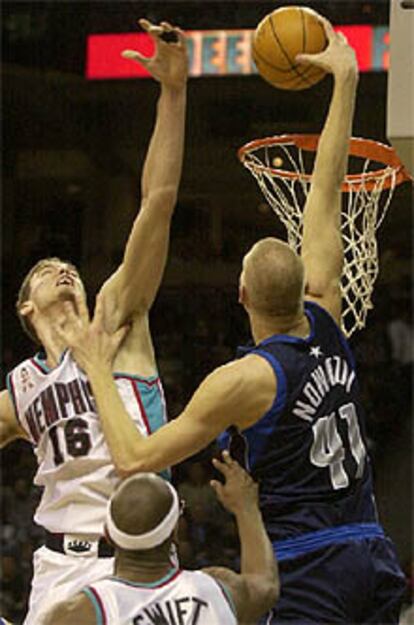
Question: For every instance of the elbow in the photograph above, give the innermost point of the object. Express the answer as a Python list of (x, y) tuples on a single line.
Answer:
[(271, 592), (128, 464), (275, 591), (125, 468)]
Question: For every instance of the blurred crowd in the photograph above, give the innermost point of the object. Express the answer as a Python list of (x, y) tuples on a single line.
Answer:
[(193, 332)]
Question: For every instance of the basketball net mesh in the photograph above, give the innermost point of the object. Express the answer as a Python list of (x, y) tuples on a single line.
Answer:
[(365, 204)]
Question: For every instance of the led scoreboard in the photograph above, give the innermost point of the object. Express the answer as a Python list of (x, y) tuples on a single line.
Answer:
[(218, 52)]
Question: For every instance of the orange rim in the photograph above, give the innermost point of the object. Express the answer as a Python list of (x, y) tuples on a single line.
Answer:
[(363, 148)]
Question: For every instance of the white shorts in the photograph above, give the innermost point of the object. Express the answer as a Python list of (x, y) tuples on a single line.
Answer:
[(58, 576)]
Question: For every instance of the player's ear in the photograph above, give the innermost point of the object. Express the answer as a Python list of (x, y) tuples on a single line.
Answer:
[(26, 308), (243, 299)]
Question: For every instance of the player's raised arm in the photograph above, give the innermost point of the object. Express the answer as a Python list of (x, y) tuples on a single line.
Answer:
[(256, 589), (322, 248), (226, 396), (238, 393), (134, 285)]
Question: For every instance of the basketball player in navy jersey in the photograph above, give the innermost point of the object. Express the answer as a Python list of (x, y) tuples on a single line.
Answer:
[(49, 401), (146, 588), (294, 397)]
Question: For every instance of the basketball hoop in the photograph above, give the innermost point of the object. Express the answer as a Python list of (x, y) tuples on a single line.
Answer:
[(282, 166)]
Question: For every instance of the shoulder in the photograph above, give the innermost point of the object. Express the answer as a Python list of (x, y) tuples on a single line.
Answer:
[(231, 584), (244, 380), (250, 595), (77, 609), (28, 363), (248, 389), (23, 379), (245, 371), (238, 393)]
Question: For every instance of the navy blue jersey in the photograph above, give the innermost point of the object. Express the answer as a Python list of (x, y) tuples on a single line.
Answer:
[(308, 452)]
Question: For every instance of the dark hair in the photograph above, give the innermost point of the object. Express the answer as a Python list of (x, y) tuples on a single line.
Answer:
[(24, 294)]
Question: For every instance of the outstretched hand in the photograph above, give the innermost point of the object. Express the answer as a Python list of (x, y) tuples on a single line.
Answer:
[(239, 492), (169, 64), (89, 342), (337, 56)]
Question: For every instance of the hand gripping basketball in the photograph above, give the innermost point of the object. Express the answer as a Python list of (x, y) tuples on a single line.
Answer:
[(337, 57)]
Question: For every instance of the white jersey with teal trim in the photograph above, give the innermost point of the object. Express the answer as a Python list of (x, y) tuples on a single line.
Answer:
[(179, 598), (57, 409)]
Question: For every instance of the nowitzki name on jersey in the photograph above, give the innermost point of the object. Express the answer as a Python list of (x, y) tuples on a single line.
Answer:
[(332, 372)]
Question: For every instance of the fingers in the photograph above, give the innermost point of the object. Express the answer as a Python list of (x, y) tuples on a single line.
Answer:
[(327, 26), (342, 37), (227, 465), (153, 30), (120, 335), (164, 34), (145, 24), (60, 332), (172, 34), (227, 458), (81, 307), (134, 56), (98, 315), (217, 487), (167, 26), (335, 40), (315, 59), (308, 58)]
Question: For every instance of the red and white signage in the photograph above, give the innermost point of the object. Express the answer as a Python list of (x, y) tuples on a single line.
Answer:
[(218, 52)]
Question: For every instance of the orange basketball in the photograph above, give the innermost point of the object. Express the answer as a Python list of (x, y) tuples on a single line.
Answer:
[(279, 37)]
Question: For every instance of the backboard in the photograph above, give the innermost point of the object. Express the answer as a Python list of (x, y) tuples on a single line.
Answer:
[(400, 105)]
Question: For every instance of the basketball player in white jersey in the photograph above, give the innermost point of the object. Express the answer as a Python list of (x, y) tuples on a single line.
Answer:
[(141, 521), (49, 401)]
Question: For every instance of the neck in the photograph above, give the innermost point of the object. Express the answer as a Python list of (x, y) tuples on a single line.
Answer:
[(264, 326), (44, 325), (136, 568)]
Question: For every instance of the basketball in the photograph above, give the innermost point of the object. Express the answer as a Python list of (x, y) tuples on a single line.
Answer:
[(279, 37)]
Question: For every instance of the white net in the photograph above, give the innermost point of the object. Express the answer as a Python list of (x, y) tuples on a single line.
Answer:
[(366, 199)]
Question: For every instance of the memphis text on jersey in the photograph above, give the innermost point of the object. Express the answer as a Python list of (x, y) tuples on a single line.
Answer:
[(51, 405)]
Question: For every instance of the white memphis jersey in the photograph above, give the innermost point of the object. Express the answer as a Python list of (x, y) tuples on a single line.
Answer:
[(57, 409), (180, 598)]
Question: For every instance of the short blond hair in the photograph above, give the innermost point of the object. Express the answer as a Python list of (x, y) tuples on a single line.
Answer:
[(24, 293), (274, 278)]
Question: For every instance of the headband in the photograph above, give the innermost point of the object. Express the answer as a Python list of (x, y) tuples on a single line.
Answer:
[(150, 539)]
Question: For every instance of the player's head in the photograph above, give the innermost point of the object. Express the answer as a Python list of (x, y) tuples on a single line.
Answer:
[(142, 517), (272, 279), (47, 282)]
